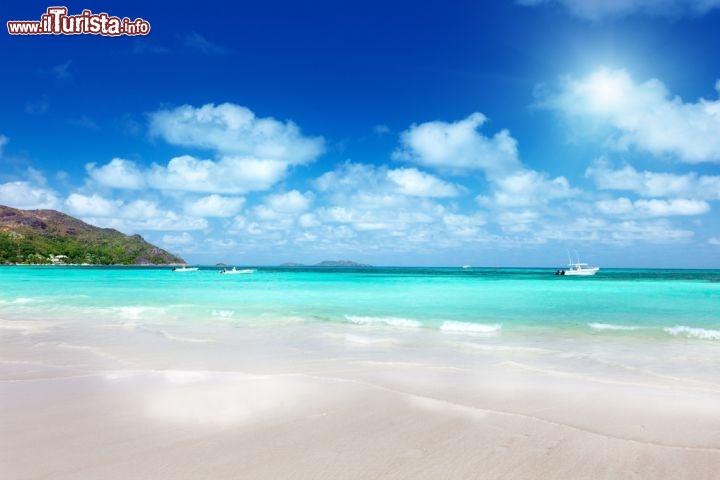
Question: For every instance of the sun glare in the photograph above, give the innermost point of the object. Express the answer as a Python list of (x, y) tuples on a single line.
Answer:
[(606, 89)]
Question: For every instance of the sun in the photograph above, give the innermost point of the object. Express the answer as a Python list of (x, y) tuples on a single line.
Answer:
[(606, 89)]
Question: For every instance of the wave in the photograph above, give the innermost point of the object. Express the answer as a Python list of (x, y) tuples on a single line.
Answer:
[(693, 332), (390, 321), (222, 313), (450, 326), (17, 301), (610, 326)]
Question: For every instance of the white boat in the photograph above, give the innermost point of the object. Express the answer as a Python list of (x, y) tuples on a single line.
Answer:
[(466, 266), (579, 269), (234, 271), (185, 269)]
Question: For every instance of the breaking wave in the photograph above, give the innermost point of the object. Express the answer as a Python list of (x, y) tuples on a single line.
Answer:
[(692, 332), (610, 326), (389, 321)]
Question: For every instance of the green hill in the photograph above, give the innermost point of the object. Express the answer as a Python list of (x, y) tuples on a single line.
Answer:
[(48, 236)]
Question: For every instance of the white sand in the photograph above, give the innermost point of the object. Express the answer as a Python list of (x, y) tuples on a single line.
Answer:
[(121, 401)]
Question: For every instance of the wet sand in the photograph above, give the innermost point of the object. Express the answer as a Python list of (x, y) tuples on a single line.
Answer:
[(83, 401)]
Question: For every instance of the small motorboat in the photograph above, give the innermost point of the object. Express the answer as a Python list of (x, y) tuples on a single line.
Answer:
[(185, 268), (235, 271)]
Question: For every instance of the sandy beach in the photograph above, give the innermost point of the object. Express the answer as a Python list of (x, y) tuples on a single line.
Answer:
[(84, 401)]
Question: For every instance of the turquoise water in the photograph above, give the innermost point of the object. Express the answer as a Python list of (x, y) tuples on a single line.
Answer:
[(658, 304)]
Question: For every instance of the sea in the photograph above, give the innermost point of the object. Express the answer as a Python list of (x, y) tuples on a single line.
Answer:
[(664, 305), (659, 324)]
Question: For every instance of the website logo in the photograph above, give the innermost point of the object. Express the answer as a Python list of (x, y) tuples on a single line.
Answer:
[(56, 21)]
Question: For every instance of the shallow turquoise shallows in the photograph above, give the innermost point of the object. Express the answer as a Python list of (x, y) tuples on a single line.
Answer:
[(658, 304)]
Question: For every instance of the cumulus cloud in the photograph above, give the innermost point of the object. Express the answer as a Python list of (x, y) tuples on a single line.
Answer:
[(644, 116), (624, 232), (653, 184), (290, 202), (413, 182), (181, 239), (599, 9), (252, 153), (359, 177), (25, 195), (119, 173), (137, 215), (92, 206), (527, 187), (229, 175), (282, 210), (140, 215), (234, 130), (652, 208), (214, 206), (385, 206), (458, 146)]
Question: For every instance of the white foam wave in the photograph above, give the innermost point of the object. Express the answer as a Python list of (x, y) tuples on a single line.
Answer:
[(390, 321), (610, 326), (451, 326), (223, 313), (692, 332), (22, 300)]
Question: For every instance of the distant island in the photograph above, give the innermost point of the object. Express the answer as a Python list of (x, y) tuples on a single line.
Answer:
[(328, 263), (51, 237)]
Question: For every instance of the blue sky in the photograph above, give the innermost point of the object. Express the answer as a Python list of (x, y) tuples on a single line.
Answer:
[(393, 133)]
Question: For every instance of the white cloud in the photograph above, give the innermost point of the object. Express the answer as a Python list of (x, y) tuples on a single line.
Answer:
[(25, 195), (358, 177), (281, 212), (234, 130), (660, 231), (142, 215), (93, 206), (654, 184), (714, 241), (290, 202), (178, 240), (214, 206), (385, 206), (119, 173), (420, 184), (645, 116), (252, 153), (652, 208), (458, 146), (626, 232), (230, 175), (599, 9), (460, 225), (528, 187)]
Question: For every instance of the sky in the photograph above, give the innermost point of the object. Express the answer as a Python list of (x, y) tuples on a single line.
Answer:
[(488, 133)]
